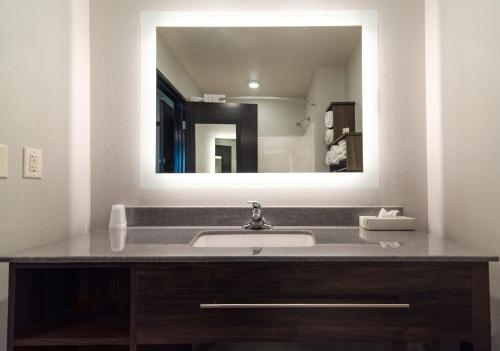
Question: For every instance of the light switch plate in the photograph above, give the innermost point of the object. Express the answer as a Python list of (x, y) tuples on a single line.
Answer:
[(32, 163), (4, 161)]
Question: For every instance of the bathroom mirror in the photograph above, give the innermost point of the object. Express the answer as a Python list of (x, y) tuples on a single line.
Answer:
[(181, 177), (259, 99)]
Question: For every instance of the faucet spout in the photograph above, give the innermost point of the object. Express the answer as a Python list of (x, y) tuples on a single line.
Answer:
[(257, 221)]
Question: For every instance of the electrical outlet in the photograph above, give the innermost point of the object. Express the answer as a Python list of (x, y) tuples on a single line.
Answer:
[(32, 163), (4, 161)]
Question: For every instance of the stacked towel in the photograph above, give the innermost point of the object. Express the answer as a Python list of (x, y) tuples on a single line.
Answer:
[(329, 119), (328, 136), (337, 153)]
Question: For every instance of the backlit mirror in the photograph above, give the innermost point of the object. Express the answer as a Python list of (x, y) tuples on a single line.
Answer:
[(259, 99)]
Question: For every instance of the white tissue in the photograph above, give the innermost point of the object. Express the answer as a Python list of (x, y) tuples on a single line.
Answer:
[(329, 119), (387, 214)]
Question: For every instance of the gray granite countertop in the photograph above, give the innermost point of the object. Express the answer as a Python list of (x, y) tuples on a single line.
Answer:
[(167, 244)]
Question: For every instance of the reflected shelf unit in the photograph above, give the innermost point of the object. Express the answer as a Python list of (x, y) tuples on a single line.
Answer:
[(344, 116), (354, 153)]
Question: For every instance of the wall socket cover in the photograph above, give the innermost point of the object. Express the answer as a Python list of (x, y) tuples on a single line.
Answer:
[(32, 163), (4, 161)]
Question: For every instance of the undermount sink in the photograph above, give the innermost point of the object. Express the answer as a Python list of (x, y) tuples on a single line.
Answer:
[(249, 238)]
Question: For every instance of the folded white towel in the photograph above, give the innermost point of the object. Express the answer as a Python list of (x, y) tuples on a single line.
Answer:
[(340, 153), (333, 160), (328, 158), (338, 148), (328, 136), (329, 119), (339, 159)]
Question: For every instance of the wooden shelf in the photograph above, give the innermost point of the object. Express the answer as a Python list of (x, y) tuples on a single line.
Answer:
[(354, 153), (71, 342), (343, 117), (109, 330), (339, 103), (70, 306), (76, 347), (343, 136)]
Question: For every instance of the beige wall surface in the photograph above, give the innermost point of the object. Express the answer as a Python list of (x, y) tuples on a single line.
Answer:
[(172, 69), (45, 43), (115, 71), (44, 103), (327, 85), (468, 170), (354, 84), (205, 136), (277, 117)]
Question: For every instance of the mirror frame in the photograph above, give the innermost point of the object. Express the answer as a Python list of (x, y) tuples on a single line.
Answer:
[(369, 178)]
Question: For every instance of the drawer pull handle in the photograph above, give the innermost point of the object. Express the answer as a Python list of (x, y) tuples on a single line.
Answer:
[(302, 305)]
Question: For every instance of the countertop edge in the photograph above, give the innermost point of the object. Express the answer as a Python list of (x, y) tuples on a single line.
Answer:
[(97, 247), (140, 259)]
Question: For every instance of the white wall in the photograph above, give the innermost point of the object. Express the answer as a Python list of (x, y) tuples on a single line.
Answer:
[(277, 117), (44, 103), (327, 85), (287, 153), (282, 146), (115, 73), (205, 135), (354, 84), (173, 70), (466, 113)]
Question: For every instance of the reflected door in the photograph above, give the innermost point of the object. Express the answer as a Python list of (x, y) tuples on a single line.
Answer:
[(223, 153), (242, 116)]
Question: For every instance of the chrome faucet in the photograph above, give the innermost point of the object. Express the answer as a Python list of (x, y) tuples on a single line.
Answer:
[(257, 221)]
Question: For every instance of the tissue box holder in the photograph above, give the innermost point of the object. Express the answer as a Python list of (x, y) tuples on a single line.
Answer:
[(396, 223)]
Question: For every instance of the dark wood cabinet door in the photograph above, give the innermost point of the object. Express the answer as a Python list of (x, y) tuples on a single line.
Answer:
[(244, 302)]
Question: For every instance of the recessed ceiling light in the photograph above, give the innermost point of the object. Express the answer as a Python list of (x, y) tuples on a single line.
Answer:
[(253, 84)]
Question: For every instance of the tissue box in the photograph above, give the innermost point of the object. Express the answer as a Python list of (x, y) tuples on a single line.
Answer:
[(395, 223)]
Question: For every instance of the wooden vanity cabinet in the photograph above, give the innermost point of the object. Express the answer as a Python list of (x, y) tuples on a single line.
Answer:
[(131, 306)]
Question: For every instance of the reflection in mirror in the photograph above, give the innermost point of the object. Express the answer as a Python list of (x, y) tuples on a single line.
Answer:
[(280, 99), (216, 149), (225, 156)]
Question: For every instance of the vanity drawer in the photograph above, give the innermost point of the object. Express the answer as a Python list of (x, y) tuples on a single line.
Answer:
[(287, 301)]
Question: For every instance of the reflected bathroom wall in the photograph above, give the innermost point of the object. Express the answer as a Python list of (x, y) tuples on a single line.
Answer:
[(290, 87), (207, 137), (287, 153)]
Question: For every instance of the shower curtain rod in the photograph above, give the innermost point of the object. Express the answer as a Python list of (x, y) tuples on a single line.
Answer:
[(269, 98)]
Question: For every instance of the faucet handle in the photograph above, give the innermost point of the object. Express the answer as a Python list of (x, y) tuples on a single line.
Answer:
[(257, 221), (255, 204)]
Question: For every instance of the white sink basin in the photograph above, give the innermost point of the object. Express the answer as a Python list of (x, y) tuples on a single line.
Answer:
[(248, 238)]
